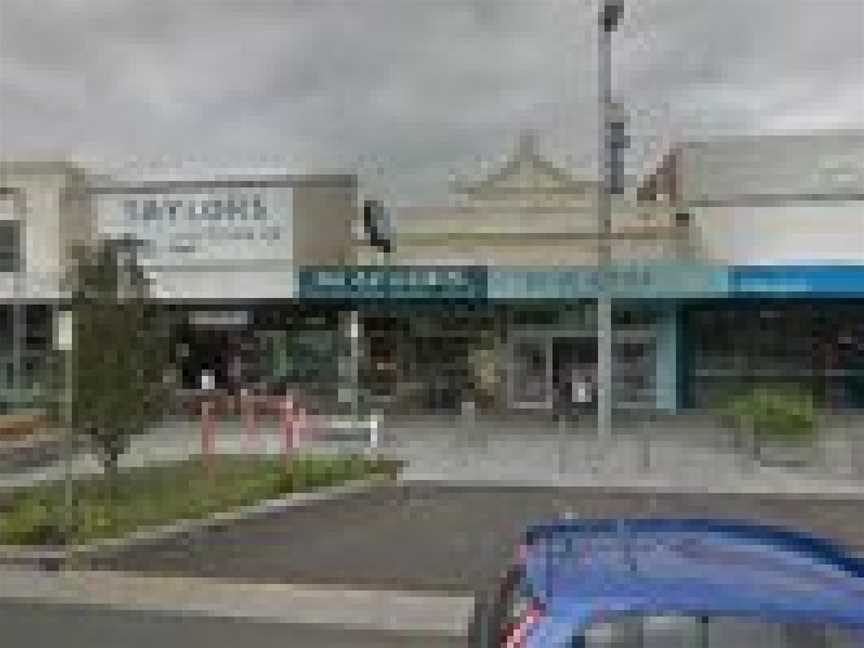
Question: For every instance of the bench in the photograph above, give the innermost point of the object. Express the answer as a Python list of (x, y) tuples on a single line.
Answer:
[(21, 425)]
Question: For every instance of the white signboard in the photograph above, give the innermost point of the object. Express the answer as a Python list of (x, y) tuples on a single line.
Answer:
[(201, 226), (63, 330)]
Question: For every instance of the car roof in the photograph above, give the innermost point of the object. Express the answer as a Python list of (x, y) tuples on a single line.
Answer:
[(585, 570)]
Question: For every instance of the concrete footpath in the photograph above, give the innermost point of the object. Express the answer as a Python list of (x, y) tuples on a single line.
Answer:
[(180, 439), (685, 453), (388, 611)]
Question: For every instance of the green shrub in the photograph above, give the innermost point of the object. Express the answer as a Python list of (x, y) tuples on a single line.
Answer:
[(32, 520), (95, 519), (317, 472), (778, 412)]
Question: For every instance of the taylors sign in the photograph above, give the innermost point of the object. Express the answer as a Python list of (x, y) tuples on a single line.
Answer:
[(236, 224)]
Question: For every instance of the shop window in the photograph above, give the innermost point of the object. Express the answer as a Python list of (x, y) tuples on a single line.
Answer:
[(10, 246), (632, 318), (536, 317)]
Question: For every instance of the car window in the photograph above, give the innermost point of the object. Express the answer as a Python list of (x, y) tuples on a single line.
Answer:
[(674, 631)]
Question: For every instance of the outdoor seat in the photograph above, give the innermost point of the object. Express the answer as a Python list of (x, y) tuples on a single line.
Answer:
[(21, 425)]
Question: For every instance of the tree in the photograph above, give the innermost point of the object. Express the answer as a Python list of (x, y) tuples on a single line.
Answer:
[(120, 350)]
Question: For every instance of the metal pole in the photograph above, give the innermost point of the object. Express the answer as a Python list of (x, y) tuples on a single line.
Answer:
[(349, 363), (64, 344), (356, 334), (608, 18), (17, 326), (68, 500)]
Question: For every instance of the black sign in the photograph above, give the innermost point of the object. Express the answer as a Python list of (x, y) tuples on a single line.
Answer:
[(375, 282)]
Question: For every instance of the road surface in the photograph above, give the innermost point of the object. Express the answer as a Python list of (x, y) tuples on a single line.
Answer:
[(428, 537)]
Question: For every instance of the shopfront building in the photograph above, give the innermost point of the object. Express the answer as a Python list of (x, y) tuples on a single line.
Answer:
[(782, 325), (222, 254), (424, 330)]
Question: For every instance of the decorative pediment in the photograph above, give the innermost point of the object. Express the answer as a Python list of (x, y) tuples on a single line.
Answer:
[(524, 173)]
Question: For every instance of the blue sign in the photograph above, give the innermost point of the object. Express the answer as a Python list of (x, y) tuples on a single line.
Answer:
[(411, 282), (659, 281), (623, 281), (802, 280)]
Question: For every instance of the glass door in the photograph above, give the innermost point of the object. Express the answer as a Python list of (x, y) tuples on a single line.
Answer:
[(530, 378)]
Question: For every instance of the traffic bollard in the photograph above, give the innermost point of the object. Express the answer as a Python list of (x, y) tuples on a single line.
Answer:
[(208, 434)]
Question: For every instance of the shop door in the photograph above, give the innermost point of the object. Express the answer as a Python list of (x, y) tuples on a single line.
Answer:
[(531, 374), (571, 357)]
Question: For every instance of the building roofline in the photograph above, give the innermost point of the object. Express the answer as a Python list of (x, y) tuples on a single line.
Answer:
[(36, 166), (226, 182), (736, 138)]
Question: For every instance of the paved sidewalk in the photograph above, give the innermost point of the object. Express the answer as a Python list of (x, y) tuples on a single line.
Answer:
[(180, 439), (390, 611), (682, 453)]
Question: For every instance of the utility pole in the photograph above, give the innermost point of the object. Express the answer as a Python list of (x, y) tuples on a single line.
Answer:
[(608, 18)]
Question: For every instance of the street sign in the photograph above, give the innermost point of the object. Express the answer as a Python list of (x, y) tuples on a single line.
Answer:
[(63, 330)]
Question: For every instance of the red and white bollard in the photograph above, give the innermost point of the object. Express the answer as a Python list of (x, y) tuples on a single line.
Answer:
[(300, 425), (287, 427), (208, 433), (250, 428)]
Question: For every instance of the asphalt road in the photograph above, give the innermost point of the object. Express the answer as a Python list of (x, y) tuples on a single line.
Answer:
[(432, 537), (26, 625)]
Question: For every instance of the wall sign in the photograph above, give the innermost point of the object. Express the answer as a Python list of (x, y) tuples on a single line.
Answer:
[(808, 280), (363, 283), (632, 282), (246, 224)]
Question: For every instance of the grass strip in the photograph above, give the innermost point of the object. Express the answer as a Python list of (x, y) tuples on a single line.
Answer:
[(160, 494)]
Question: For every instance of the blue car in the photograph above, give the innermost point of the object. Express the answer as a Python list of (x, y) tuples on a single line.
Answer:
[(671, 583)]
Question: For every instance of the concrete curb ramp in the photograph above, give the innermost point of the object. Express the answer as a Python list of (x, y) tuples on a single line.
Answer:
[(390, 611)]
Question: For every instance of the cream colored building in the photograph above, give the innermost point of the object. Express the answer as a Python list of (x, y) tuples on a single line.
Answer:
[(225, 244), (769, 199), (44, 208), (531, 213)]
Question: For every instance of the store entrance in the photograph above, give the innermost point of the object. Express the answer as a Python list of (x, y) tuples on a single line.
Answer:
[(572, 359)]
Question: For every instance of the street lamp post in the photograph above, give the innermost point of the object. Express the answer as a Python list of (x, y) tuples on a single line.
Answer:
[(608, 18)]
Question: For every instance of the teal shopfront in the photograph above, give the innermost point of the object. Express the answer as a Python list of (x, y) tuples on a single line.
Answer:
[(422, 327), (685, 336), (419, 327), (551, 329), (779, 325)]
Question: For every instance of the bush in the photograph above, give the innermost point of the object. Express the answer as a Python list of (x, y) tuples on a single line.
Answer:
[(776, 412), (33, 520), (95, 519), (312, 472)]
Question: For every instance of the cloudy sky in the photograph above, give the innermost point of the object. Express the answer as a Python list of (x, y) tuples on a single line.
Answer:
[(407, 91)]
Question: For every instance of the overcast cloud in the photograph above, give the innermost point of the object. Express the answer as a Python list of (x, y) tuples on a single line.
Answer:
[(404, 91)]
